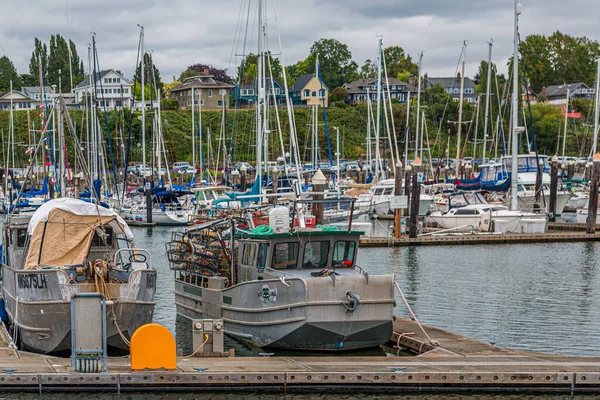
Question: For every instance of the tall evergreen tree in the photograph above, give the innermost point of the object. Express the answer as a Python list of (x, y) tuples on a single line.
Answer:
[(149, 81), (8, 73)]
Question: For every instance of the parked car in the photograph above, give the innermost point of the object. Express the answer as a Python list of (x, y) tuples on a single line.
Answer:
[(238, 166), (180, 165)]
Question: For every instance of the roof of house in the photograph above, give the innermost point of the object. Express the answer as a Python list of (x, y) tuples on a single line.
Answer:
[(253, 84), (196, 83), (451, 82), (99, 75), (3, 95), (36, 89), (354, 87), (561, 90), (303, 81)]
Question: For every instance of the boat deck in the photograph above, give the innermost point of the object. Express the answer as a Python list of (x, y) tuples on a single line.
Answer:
[(458, 363)]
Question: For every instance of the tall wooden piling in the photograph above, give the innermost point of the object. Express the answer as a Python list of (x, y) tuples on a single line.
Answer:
[(318, 182), (407, 178), (274, 180), (148, 191), (593, 199), (416, 195), (538, 181), (397, 192), (553, 189), (570, 169)]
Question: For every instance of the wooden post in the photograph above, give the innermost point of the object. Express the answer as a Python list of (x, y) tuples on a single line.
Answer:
[(363, 174), (243, 178), (415, 197), (407, 185), (570, 169), (180, 180), (318, 182), (538, 181), (593, 201), (468, 169), (274, 180), (397, 192), (77, 178), (553, 189), (446, 170), (148, 189), (588, 171)]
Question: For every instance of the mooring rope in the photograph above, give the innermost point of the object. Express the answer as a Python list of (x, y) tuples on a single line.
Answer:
[(414, 317)]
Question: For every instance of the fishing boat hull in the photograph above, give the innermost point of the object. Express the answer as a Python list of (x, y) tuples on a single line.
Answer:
[(297, 313), (38, 305)]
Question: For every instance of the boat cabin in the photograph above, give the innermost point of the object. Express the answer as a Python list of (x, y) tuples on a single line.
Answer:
[(302, 253)]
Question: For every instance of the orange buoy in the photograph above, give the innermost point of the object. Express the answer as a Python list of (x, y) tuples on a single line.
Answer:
[(153, 347)]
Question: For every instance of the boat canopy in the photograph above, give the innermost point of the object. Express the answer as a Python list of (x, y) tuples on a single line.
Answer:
[(62, 230)]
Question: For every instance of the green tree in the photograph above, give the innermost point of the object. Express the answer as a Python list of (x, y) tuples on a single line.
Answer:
[(397, 61), (195, 69), (39, 58), (368, 69), (248, 70), (335, 60), (59, 61), (8, 73), (339, 94), (150, 80)]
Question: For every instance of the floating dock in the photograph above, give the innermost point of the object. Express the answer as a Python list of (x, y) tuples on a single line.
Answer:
[(447, 362), (480, 238)]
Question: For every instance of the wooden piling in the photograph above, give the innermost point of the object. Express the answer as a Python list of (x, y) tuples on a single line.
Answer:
[(538, 181), (148, 190), (407, 177), (397, 192), (570, 169), (243, 178), (318, 182), (553, 188), (415, 197), (593, 199)]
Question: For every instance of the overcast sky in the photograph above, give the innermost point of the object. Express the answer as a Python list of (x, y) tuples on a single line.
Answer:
[(184, 32)]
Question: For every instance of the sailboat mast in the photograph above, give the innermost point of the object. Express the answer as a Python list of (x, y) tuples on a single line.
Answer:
[(378, 169), (460, 105), (193, 132), (261, 97), (566, 122), (515, 113), (597, 110), (406, 136), (487, 98), (369, 112), (143, 101), (419, 106)]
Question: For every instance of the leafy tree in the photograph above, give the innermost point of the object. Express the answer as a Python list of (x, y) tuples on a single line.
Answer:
[(8, 73), (368, 69), (335, 59), (195, 69), (151, 80), (248, 69), (170, 85), (397, 61), (339, 94), (56, 62)]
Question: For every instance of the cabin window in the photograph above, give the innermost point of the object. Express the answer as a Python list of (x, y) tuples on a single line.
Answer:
[(343, 253), (249, 254), (466, 212), (315, 255), (21, 236), (261, 263), (378, 192), (98, 241), (388, 190), (285, 255)]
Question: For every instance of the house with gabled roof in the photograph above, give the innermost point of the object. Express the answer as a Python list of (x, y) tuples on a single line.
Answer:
[(451, 86), (360, 90), (308, 90), (557, 94), (110, 88), (247, 94), (208, 93), (18, 99)]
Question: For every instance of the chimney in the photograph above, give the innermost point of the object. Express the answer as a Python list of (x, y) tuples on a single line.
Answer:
[(205, 71), (411, 81), (544, 91)]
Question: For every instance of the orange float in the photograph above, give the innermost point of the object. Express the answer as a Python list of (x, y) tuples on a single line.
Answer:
[(153, 347)]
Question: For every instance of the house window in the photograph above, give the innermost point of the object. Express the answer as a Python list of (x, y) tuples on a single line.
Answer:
[(220, 103), (118, 103), (306, 93), (126, 90), (209, 92), (277, 91), (3, 106), (321, 93), (118, 80), (251, 92), (314, 94)]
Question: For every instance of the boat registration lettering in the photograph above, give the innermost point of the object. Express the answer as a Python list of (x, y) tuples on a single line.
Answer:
[(32, 281)]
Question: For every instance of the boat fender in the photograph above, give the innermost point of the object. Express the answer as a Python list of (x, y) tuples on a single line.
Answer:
[(353, 301)]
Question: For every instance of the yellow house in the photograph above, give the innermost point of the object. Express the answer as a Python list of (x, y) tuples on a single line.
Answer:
[(309, 91)]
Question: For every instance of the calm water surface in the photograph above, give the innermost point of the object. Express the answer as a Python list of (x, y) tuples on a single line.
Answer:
[(539, 297)]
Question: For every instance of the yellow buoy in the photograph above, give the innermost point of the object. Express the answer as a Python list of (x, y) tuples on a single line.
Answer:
[(153, 347)]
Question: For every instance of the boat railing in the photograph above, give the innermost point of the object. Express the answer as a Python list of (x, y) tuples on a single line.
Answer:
[(136, 255)]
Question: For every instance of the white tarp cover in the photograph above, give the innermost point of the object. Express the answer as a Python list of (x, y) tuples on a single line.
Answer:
[(62, 230)]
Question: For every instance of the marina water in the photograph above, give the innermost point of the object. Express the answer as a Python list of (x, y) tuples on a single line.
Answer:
[(537, 297)]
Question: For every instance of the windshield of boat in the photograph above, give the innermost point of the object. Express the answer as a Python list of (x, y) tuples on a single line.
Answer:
[(343, 253), (285, 255), (315, 254), (261, 262)]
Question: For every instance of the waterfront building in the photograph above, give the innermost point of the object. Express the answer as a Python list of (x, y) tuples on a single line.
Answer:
[(557, 94), (20, 101), (361, 89), (451, 86), (247, 94), (209, 93), (308, 91), (112, 90)]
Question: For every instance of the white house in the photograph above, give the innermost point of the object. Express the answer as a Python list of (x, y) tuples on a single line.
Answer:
[(111, 88), (20, 101), (35, 93)]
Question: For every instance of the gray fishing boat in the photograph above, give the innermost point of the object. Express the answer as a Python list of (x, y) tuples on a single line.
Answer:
[(292, 290), (67, 247)]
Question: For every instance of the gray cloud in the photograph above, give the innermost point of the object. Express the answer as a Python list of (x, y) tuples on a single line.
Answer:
[(183, 32)]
